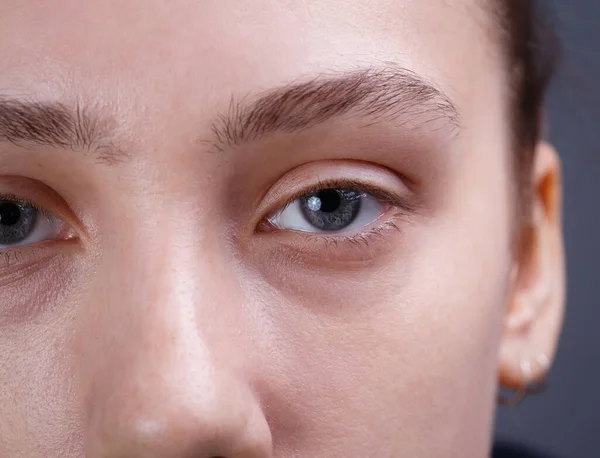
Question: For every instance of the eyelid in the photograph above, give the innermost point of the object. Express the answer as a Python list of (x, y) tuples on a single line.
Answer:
[(17, 261), (323, 251), (363, 177)]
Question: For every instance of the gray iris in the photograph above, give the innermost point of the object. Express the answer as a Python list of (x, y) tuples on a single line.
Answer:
[(337, 208), (17, 221)]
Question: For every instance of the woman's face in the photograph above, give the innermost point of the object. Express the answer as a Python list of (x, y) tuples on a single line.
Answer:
[(269, 228)]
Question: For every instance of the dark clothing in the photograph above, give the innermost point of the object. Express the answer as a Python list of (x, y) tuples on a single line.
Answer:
[(517, 451)]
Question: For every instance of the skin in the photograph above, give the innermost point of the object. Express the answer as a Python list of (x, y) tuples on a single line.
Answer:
[(167, 319)]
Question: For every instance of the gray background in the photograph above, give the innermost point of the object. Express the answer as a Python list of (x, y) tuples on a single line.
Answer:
[(566, 420)]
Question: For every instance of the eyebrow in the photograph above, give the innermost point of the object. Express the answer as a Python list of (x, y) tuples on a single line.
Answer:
[(376, 94), (58, 125)]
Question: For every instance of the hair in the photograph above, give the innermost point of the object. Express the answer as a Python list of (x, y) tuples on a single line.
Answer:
[(533, 54)]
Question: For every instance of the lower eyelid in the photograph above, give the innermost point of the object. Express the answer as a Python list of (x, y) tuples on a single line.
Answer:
[(390, 220), (387, 220), (376, 245), (34, 278), (24, 256), (15, 266)]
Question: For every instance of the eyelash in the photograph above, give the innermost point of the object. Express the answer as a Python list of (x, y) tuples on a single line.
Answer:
[(362, 239), (385, 196), (20, 200)]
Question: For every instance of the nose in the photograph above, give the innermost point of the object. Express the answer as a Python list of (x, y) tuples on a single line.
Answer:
[(167, 374)]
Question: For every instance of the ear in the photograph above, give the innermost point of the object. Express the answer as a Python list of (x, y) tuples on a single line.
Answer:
[(536, 299)]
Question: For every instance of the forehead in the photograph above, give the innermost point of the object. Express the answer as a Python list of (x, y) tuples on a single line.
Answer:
[(229, 44)]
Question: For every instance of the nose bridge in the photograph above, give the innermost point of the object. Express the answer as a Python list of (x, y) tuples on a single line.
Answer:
[(167, 279), (169, 382)]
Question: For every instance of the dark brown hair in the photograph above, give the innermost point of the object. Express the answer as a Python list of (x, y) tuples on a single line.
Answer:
[(533, 55)]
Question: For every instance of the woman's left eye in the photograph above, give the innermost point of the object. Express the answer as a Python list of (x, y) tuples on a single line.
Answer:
[(23, 224), (329, 210)]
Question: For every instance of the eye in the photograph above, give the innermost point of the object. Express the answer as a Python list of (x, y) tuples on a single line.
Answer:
[(329, 210), (23, 224)]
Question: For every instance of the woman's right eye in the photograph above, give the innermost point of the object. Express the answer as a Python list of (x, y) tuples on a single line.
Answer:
[(23, 224)]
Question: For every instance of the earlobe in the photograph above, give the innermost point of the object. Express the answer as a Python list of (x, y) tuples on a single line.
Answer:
[(535, 300)]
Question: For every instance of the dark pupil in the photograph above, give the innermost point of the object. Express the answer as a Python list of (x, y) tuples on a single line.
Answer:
[(331, 209), (330, 200), (9, 214), (17, 221)]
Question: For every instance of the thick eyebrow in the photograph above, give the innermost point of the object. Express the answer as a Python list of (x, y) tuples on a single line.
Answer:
[(390, 92), (56, 125)]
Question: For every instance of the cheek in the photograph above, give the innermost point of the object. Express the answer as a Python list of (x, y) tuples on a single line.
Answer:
[(394, 354), (39, 406), (36, 394)]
